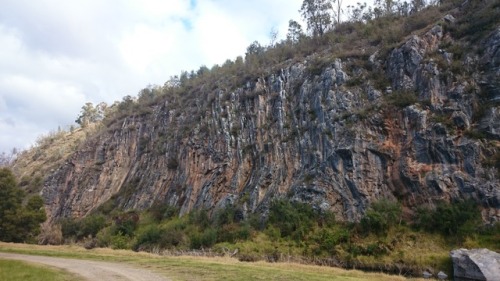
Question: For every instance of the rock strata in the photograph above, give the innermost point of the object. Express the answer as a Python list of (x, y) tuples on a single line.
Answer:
[(331, 136)]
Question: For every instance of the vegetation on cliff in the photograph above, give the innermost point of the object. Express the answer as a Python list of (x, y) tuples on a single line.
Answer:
[(371, 144)]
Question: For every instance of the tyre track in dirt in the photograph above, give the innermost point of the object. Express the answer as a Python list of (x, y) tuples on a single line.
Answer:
[(92, 270)]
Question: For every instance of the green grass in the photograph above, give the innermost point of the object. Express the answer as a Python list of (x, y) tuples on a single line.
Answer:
[(199, 268), (11, 270)]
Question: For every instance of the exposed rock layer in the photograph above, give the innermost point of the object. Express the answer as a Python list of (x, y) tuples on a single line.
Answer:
[(313, 137)]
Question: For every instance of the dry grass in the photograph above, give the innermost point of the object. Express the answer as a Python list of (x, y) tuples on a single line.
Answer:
[(203, 268), (49, 153)]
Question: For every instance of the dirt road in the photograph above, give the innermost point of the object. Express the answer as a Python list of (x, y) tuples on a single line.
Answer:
[(92, 270)]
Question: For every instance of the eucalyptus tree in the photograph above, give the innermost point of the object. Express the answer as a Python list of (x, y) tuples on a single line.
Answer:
[(318, 15)]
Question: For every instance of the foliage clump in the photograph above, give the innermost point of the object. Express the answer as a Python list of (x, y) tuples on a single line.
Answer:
[(381, 216), (456, 221), (19, 222), (293, 230)]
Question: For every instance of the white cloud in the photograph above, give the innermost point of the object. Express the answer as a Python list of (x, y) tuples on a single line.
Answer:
[(56, 55)]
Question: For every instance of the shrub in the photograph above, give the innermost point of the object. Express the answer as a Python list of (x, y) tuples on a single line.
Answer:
[(381, 216), (205, 239), (81, 228), (147, 237), (91, 225), (172, 163), (225, 216), (125, 223), (171, 238), (161, 212), (199, 218), (233, 232), (69, 227), (493, 161), (401, 99), (374, 222), (104, 237), (458, 220), (293, 219), (50, 235), (317, 65), (273, 233), (328, 238), (119, 241)]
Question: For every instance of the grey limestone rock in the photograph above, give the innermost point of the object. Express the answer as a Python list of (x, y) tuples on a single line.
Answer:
[(491, 122), (476, 264), (318, 139), (442, 276), (449, 18)]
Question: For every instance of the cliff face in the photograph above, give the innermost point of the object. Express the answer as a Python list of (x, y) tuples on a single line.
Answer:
[(332, 137)]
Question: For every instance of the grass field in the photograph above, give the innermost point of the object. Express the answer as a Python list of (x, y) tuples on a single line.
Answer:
[(201, 268), (20, 271)]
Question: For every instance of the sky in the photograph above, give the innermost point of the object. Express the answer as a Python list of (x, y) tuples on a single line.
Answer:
[(56, 55)]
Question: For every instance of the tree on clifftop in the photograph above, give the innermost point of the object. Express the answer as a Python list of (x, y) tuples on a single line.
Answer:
[(18, 222), (317, 14), (90, 114)]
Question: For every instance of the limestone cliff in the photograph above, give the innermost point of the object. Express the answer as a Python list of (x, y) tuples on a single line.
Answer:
[(332, 137)]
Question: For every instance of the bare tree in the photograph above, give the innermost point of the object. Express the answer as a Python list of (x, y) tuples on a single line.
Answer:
[(337, 10), (273, 36), (7, 159)]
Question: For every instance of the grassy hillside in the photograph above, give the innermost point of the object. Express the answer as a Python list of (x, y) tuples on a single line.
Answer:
[(32, 166)]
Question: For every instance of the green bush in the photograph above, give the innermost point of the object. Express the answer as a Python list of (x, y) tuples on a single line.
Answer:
[(233, 232), (104, 237), (328, 238), (374, 222), (82, 228), (125, 223), (69, 227), (92, 224), (161, 212), (119, 241), (148, 237), (381, 216), (225, 216), (273, 233), (204, 239), (199, 218), (172, 238), (457, 220), (18, 222), (293, 219)]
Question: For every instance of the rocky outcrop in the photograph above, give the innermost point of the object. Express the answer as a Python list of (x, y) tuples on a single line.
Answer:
[(311, 136), (476, 264)]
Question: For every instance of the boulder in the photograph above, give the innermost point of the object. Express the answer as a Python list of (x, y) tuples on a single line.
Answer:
[(442, 276), (476, 264)]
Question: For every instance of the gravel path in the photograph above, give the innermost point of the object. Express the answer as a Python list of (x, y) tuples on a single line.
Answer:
[(92, 270)]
